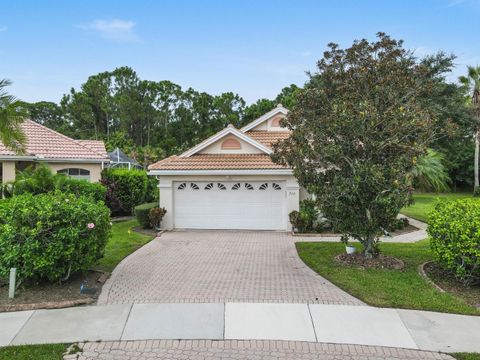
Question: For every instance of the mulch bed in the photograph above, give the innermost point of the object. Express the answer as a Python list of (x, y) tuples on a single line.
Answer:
[(56, 295), (329, 233), (447, 282), (380, 262)]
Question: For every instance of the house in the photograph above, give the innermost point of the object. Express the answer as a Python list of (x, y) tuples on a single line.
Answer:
[(229, 181), (82, 159)]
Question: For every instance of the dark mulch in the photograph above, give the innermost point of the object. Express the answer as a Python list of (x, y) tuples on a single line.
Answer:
[(360, 261), (445, 280), (407, 229), (54, 292)]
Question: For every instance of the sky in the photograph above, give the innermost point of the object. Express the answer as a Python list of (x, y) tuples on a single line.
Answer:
[(253, 48)]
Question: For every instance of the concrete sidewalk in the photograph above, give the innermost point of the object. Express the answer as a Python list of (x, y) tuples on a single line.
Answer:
[(340, 324)]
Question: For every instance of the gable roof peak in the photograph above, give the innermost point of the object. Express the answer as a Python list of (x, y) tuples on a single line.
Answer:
[(279, 109)]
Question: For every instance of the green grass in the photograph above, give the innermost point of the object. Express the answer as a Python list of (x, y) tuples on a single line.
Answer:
[(122, 242), (384, 288), (426, 201), (33, 352), (466, 356)]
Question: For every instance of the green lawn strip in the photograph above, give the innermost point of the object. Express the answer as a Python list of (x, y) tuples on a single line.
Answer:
[(466, 356), (122, 242), (33, 352), (384, 288), (425, 202)]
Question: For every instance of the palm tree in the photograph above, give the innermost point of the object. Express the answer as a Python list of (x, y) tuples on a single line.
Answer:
[(12, 114), (472, 84), (430, 173)]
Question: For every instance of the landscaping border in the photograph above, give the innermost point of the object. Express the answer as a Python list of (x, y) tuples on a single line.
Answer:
[(423, 274)]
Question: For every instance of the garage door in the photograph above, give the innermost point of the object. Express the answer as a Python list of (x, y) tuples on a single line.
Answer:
[(229, 205)]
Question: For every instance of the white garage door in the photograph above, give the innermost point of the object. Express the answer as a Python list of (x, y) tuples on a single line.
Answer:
[(229, 205)]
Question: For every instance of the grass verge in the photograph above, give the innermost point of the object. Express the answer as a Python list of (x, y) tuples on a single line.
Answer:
[(33, 352), (404, 289), (426, 201), (122, 243)]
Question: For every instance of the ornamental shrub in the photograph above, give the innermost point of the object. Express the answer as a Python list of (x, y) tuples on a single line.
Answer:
[(50, 236), (453, 227), (156, 216), (94, 191), (142, 211), (125, 189), (41, 180)]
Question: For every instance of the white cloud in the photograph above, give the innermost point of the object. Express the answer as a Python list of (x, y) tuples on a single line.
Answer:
[(115, 29), (306, 53), (3, 28)]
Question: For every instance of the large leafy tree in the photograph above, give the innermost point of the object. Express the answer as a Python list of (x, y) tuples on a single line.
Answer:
[(12, 114), (358, 127), (471, 82)]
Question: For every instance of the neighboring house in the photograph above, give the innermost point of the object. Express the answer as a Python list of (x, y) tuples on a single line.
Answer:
[(82, 159), (229, 180)]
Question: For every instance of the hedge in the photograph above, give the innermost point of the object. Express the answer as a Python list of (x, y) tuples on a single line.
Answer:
[(41, 180), (453, 227), (125, 189), (50, 236), (142, 211)]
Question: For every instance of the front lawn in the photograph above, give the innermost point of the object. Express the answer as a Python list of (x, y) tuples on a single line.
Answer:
[(466, 356), (384, 288), (425, 202), (33, 352), (122, 242)]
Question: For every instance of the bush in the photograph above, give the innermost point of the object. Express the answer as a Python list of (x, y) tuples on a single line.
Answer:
[(153, 193), (41, 180), (309, 213), (455, 239), (142, 213), (398, 224), (125, 189), (94, 191), (50, 236), (156, 215)]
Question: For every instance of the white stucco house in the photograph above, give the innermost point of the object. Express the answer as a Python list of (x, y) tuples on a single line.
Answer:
[(229, 181)]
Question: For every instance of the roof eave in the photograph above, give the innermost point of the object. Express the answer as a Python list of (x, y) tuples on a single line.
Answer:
[(221, 172)]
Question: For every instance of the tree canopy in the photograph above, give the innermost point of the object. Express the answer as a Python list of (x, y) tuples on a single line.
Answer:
[(358, 127)]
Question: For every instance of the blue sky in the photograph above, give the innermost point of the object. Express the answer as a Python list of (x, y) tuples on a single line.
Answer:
[(253, 48)]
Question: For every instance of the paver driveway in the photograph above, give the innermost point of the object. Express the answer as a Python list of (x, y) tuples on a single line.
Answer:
[(219, 266)]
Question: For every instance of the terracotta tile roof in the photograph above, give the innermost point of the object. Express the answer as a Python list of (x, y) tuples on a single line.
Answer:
[(216, 162), (43, 142), (95, 145), (268, 138)]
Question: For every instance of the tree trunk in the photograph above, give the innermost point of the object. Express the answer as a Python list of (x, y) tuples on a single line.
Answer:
[(477, 148), (370, 248)]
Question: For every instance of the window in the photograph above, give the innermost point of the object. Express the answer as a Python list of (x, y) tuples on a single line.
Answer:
[(231, 144), (276, 186), (182, 186), (263, 186), (76, 173), (221, 186), (194, 186), (236, 186), (248, 186), (209, 186)]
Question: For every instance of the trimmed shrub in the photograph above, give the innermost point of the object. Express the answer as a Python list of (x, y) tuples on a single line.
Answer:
[(455, 238), (153, 193), (94, 191), (125, 189), (306, 220), (41, 180), (156, 216), (50, 236), (142, 213)]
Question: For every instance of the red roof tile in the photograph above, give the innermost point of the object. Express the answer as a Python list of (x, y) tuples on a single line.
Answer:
[(43, 142)]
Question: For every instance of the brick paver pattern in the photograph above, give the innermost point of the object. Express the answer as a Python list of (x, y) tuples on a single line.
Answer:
[(236, 350), (219, 266)]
